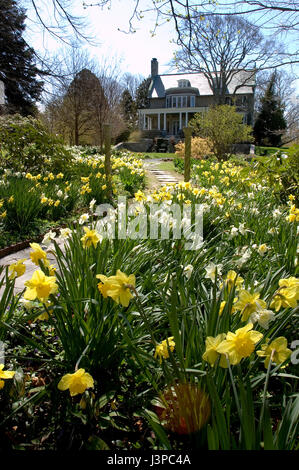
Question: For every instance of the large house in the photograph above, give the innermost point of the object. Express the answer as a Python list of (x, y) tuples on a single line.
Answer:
[(175, 98)]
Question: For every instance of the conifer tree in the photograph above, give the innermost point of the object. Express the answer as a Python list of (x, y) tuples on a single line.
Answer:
[(270, 123), (18, 70)]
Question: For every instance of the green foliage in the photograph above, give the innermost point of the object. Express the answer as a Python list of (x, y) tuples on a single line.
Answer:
[(27, 146), (22, 213), (282, 169), (248, 407), (223, 126), (18, 70), (270, 123)]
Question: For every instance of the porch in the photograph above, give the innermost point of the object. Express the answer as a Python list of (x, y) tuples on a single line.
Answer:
[(166, 122)]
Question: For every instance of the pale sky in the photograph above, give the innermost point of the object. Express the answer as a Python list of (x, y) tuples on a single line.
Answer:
[(133, 52)]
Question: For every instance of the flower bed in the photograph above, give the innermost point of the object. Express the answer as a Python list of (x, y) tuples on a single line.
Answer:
[(145, 344)]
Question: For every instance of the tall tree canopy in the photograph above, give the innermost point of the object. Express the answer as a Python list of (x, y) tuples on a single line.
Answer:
[(17, 66), (220, 47)]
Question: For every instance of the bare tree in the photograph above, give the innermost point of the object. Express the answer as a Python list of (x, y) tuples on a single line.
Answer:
[(131, 83), (278, 15), (83, 97), (221, 49)]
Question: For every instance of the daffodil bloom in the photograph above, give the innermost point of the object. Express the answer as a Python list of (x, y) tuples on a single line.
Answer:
[(231, 279), (48, 238), (83, 218), (263, 317), (37, 254), (40, 286), (211, 271), (117, 287), (239, 344), (262, 249), (17, 269), (77, 382), (139, 196), (249, 303), (285, 298), (289, 282), (65, 233), (211, 353), (188, 270), (5, 374), (277, 350), (162, 348), (91, 237)]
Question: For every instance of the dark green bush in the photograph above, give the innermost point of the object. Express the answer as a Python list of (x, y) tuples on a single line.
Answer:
[(25, 145)]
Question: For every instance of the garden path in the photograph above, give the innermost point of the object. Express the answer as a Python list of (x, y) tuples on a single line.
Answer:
[(156, 178), (30, 267)]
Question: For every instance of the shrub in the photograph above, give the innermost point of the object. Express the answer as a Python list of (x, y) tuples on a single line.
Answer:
[(135, 136), (27, 146), (224, 127), (199, 148)]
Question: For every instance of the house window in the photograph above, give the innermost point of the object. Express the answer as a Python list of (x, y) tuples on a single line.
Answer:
[(192, 101), (168, 101), (183, 83)]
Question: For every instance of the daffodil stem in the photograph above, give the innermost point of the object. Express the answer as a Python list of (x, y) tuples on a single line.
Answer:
[(265, 388), (142, 313), (234, 390)]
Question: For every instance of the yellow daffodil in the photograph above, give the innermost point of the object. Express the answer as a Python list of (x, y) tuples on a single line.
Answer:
[(211, 353), (117, 287), (77, 382), (249, 303), (91, 237), (240, 344), (139, 196), (162, 348), (5, 374), (40, 286), (231, 279), (17, 269), (37, 254), (277, 350)]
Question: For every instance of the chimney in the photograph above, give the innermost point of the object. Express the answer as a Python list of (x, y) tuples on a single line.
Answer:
[(154, 67)]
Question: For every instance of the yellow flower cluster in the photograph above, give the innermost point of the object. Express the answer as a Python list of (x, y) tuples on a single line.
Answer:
[(231, 348), (287, 295), (4, 375), (293, 215), (162, 349), (118, 287)]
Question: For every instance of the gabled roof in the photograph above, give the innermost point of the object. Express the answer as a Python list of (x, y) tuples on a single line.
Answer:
[(161, 83)]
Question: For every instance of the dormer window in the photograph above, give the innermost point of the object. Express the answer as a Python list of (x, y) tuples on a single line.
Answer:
[(183, 83)]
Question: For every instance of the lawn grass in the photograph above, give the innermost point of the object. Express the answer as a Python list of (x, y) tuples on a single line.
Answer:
[(154, 155)]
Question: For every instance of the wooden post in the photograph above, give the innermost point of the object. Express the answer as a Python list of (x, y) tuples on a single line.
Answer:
[(107, 143), (187, 162)]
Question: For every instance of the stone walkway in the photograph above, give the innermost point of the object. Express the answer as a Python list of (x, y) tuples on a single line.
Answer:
[(30, 267), (162, 177)]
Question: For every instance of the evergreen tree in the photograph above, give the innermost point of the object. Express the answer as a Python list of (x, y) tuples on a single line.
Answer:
[(17, 67), (142, 100), (270, 123), (129, 110)]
